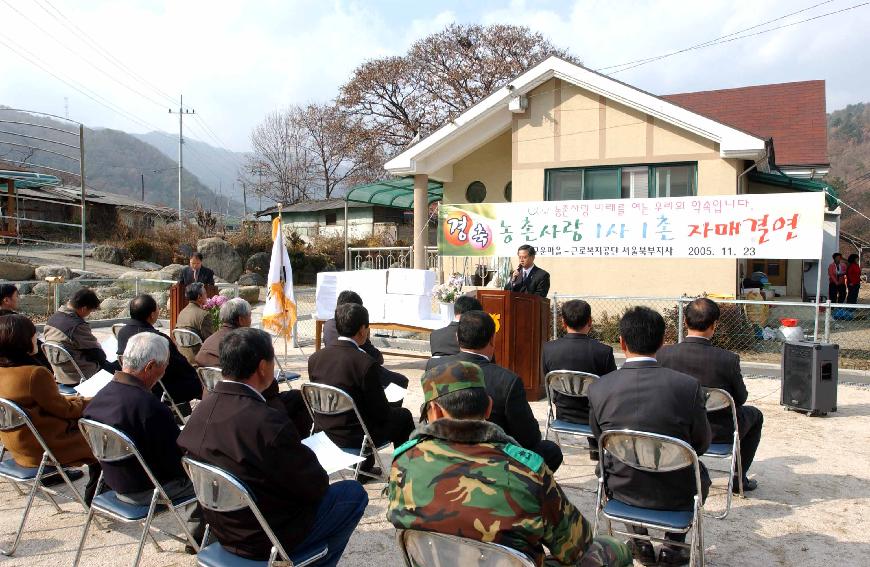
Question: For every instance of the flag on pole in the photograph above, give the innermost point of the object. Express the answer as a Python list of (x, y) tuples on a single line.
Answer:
[(279, 314)]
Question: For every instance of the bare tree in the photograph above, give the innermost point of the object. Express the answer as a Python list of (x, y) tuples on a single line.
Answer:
[(279, 159), (402, 98)]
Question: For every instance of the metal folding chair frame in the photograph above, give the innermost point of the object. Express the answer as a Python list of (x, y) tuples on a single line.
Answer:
[(165, 397), (116, 328), (551, 377), (219, 491), (717, 399), (505, 556), (207, 376), (345, 404), (95, 432), (54, 352), (696, 546), (184, 338), (12, 416)]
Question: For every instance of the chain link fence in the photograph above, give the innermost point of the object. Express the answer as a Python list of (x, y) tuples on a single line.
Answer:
[(752, 329)]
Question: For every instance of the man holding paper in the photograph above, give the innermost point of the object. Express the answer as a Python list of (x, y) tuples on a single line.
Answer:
[(235, 429)]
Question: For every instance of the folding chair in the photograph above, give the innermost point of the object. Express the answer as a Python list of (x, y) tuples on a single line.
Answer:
[(12, 416), (110, 445), (219, 491), (282, 375), (116, 328), (321, 399), (572, 384), (186, 338), (651, 452), (167, 399), (431, 549), (209, 376), (59, 357), (716, 400)]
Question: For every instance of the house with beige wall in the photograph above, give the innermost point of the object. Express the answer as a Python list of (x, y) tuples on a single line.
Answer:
[(563, 132)]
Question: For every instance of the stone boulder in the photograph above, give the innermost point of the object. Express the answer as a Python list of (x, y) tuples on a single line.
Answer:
[(227, 292), (259, 264), (84, 275), (146, 266), (250, 293), (109, 291), (25, 288), (35, 305), (110, 254), (43, 272), (171, 272), (68, 289), (41, 289), (16, 271), (127, 279), (221, 257), (111, 307), (252, 279)]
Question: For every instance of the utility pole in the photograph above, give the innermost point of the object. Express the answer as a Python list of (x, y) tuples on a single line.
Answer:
[(142, 177), (181, 112)]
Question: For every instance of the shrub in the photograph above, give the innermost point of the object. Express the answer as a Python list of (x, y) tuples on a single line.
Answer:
[(141, 249), (251, 239)]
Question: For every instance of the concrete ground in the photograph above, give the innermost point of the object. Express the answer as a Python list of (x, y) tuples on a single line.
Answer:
[(811, 507)]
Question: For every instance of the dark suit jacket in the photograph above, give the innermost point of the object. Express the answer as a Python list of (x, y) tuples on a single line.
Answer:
[(713, 367), (347, 367), (126, 404), (203, 276), (180, 378), (330, 338), (646, 397), (510, 408), (576, 352), (443, 341), (537, 283), (209, 353), (235, 430)]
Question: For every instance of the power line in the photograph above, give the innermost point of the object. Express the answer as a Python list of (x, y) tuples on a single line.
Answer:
[(82, 57), (93, 44), (706, 43), (729, 39)]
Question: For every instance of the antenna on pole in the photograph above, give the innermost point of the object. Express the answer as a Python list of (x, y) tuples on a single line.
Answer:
[(180, 112)]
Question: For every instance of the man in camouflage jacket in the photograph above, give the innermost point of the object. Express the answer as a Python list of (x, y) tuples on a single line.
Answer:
[(463, 476)]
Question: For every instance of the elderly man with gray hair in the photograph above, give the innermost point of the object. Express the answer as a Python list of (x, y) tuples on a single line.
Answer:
[(234, 314), (127, 404)]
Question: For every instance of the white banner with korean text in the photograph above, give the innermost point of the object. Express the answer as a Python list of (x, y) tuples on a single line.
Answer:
[(779, 225)]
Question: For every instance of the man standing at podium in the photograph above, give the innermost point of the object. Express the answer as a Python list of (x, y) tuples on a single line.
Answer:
[(528, 278), (196, 272)]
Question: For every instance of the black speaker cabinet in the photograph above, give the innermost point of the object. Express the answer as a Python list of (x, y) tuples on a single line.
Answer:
[(809, 377)]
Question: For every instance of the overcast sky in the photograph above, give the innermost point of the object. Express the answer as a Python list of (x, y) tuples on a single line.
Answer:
[(236, 61)]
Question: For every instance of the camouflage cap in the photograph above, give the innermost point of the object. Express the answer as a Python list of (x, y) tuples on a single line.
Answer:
[(450, 377)]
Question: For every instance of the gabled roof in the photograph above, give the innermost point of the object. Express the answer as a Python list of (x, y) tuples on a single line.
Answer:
[(490, 117), (793, 114)]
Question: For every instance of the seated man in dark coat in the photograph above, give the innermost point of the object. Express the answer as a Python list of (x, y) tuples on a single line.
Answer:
[(644, 396), (234, 429), (195, 317), (443, 342), (716, 367), (69, 328), (510, 408), (180, 379), (126, 403), (346, 366), (236, 314), (330, 338), (577, 351)]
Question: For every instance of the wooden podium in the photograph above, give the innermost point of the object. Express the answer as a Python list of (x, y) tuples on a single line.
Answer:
[(523, 321), (178, 301)]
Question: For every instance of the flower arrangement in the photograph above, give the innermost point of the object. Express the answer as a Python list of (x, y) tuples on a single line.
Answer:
[(449, 290), (213, 305)]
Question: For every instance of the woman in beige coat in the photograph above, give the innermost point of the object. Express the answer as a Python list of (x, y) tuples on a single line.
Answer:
[(33, 388)]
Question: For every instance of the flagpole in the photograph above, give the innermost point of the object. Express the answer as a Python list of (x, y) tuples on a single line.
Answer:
[(284, 304)]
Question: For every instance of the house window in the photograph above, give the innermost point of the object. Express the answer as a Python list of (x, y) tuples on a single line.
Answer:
[(476, 192), (331, 219), (675, 180), (628, 182)]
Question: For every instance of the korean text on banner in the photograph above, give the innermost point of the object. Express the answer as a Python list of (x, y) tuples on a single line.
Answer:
[(279, 313), (783, 225)]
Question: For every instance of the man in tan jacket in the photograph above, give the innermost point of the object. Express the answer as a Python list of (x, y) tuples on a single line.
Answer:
[(194, 317), (69, 328)]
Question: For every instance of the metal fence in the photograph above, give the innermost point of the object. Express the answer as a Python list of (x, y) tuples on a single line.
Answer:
[(382, 257), (750, 328)]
